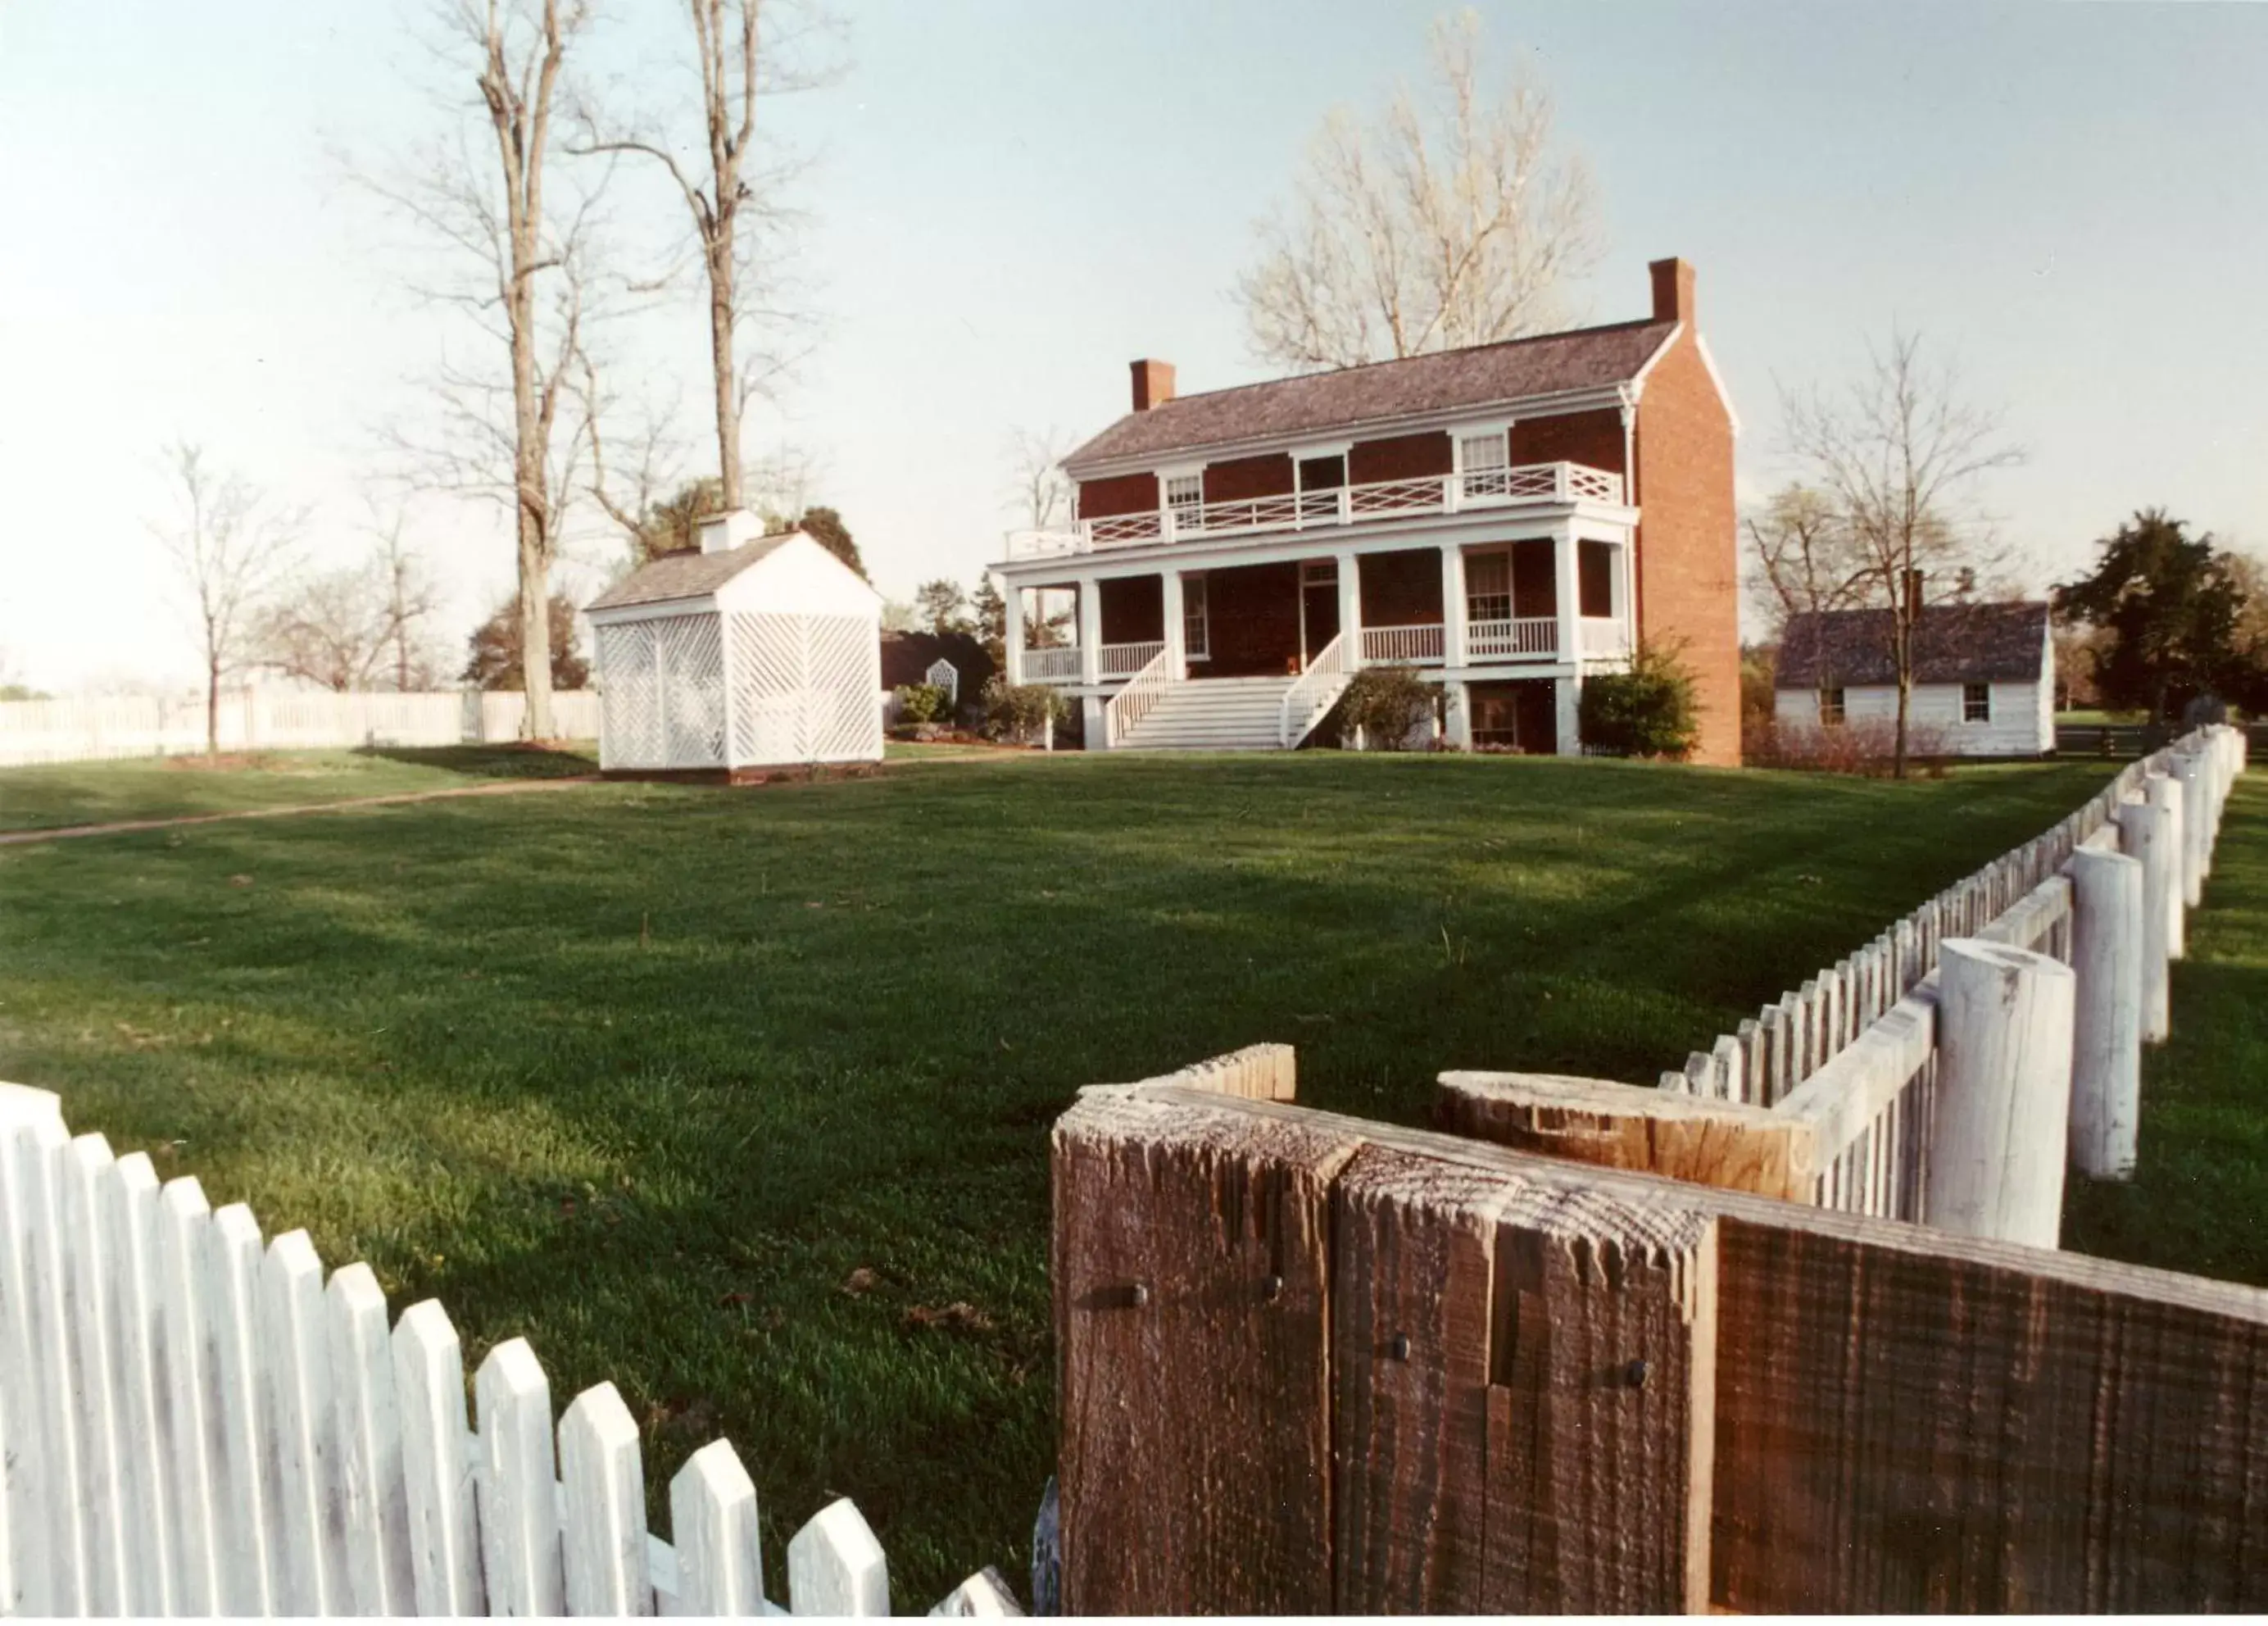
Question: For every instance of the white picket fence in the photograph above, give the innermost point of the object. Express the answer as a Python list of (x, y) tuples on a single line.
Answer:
[(253, 719), (193, 1422)]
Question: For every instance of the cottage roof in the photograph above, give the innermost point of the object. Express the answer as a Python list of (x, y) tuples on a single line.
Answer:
[(1482, 375), (1953, 644), (688, 574)]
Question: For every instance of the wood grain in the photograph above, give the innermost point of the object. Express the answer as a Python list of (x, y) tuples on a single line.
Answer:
[(1191, 1270), (1618, 1125)]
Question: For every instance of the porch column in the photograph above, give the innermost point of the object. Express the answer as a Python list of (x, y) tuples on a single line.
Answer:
[(1567, 591), (1090, 631), (1012, 633), (1568, 692), (1169, 596), (1458, 707), (1453, 607), (1350, 607)]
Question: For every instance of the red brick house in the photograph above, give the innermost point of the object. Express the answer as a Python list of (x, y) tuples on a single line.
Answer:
[(1509, 518)]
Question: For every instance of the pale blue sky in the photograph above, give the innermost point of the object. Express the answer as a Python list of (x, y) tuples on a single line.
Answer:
[(1014, 198)]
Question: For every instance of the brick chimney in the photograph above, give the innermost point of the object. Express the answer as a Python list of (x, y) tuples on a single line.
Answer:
[(1153, 384), (1673, 290)]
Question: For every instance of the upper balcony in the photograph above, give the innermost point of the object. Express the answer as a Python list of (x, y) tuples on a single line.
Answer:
[(1475, 489)]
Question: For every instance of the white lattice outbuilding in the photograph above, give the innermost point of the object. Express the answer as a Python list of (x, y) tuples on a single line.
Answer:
[(755, 652)]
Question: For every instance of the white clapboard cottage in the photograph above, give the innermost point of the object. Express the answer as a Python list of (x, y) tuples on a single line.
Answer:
[(1983, 676), (754, 652)]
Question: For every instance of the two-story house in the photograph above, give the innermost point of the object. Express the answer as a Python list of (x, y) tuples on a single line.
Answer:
[(1509, 518)]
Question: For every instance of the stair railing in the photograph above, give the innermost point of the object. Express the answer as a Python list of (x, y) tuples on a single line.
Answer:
[(1316, 691), (1131, 705)]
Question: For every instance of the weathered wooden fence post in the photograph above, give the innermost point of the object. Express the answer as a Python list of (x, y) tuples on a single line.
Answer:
[(1997, 1146), (2108, 950), (2145, 834)]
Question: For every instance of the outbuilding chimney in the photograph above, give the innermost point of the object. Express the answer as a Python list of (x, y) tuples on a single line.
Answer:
[(1673, 290), (720, 532), (1153, 384)]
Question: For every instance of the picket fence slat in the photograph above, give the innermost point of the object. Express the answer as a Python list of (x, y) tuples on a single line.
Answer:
[(602, 1486), (519, 1498), (244, 1478), (43, 1150), (128, 1202), (834, 1565), (438, 1463), (712, 1518), (187, 1432), (27, 1544), (84, 1164), (310, 1510), (374, 1508)]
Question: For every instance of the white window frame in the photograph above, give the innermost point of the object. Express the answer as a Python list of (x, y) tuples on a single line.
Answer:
[(1196, 618), (1966, 689), (1472, 595), (1187, 509), (1458, 433), (1842, 706)]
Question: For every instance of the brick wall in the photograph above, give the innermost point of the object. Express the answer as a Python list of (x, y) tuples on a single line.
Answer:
[(1403, 588), (1402, 457), (1120, 493), (1593, 438), (1688, 551), (1133, 609), (1244, 477), (1254, 610)]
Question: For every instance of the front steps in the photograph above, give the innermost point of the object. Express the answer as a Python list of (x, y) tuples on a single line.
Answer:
[(1214, 714)]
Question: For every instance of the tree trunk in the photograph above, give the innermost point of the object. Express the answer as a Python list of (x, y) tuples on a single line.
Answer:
[(532, 510), (212, 704), (721, 358)]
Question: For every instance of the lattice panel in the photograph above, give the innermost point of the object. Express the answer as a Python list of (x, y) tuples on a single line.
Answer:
[(691, 665), (805, 689), (629, 713)]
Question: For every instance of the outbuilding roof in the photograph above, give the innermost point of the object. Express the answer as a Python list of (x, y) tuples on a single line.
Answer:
[(688, 574), (1953, 644), (1513, 370)]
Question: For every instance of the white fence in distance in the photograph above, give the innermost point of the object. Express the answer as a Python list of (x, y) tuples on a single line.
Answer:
[(195, 1423), (253, 719)]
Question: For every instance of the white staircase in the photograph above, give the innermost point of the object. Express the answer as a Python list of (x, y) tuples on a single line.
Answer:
[(1214, 714)]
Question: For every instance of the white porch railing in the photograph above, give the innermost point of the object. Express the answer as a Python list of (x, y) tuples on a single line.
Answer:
[(1316, 691), (1409, 646), (1125, 660), (1131, 705), (1606, 636), (1531, 636), (1346, 505), (1049, 666)]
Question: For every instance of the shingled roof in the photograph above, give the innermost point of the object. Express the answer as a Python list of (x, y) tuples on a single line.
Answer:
[(1953, 644), (690, 574), (1444, 381)]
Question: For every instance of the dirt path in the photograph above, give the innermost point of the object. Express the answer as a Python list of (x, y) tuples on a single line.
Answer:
[(504, 788)]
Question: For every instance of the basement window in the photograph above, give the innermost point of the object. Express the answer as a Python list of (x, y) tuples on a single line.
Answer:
[(1976, 703), (1830, 708)]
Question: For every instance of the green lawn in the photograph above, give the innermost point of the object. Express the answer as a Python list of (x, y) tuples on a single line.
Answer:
[(2200, 1191), (647, 1073), (45, 798)]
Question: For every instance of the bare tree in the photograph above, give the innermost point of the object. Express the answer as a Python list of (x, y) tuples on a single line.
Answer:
[(630, 490), (410, 598), (1804, 558), (521, 277), (328, 628), (742, 54), (1451, 225), (232, 549), (1038, 488), (1900, 453)]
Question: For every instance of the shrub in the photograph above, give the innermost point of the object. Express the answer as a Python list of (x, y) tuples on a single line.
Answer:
[(920, 702), (1389, 703), (1648, 711), (1019, 711), (1867, 747)]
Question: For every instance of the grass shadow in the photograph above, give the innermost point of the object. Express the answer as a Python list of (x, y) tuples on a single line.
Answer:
[(503, 761)]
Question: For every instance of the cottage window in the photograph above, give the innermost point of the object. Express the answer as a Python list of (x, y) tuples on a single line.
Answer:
[(1197, 625), (1830, 708), (1488, 586), (1976, 703), (1185, 500)]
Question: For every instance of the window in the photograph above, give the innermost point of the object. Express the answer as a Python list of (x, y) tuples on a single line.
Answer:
[(1481, 461), (1185, 499), (1196, 627), (1830, 708), (1595, 572), (1488, 586), (1976, 703)]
